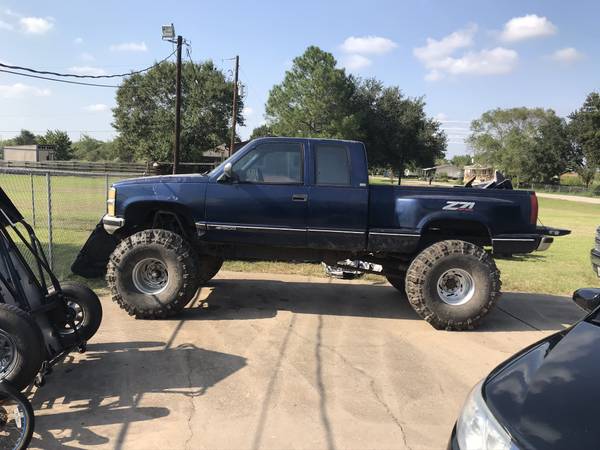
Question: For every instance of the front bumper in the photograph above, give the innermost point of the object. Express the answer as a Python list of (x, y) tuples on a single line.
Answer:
[(112, 223)]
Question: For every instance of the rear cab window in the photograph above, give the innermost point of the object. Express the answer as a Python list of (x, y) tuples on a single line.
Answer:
[(332, 165)]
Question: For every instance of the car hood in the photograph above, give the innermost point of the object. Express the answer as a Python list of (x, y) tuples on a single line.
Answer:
[(192, 178), (548, 396)]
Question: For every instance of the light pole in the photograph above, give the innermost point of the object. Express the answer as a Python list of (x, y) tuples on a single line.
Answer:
[(168, 34)]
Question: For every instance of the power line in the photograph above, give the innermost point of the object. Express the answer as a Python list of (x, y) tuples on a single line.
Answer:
[(74, 75), (59, 81)]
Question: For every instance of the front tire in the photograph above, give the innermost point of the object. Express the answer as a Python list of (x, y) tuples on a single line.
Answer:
[(453, 285), (152, 274)]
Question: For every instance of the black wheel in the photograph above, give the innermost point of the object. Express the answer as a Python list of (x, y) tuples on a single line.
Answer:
[(398, 281), (453, 285), (152, 274), (84, 309), (21, 347), (207, 268), (16, 418)]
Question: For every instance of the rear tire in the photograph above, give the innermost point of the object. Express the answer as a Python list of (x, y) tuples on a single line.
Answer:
[(152, 274), (453, 285), (22, 348)]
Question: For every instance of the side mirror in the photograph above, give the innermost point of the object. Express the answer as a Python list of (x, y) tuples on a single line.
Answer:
[(587, 298), (227, 174)]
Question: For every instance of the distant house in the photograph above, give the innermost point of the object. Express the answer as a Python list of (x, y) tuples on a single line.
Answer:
[(481, 173), (31, 153), (447, 170)]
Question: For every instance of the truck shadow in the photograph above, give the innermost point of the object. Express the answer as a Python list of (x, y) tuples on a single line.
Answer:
[(243, 299), (105, 387)]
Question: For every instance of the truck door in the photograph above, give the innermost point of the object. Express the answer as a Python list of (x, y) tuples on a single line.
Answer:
[(338, 197), (266, 203)]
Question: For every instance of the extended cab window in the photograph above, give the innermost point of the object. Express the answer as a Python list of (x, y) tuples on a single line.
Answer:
[(278, 163), (332, 165)]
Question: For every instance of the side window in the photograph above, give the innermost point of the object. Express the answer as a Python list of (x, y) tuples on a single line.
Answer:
[(332, 165), (275, 163)]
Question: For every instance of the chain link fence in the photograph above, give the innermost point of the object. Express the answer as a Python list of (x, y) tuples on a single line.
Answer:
[(62, 207)]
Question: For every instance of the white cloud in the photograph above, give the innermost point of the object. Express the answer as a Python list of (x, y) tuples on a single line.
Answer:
[(368, 45), (439, 49), (87, 70), (567, 55), (36, 25), (441, 117), (19, 90), (6, 26), (527, 27), (97, 107), (129, 47), (87, 56), (247, 111), (78, 40), (437, 57), (356, 62)]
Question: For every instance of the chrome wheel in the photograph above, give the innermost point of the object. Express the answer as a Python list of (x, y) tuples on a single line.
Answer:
[(8, 353), (456, 287), (150, 276), (75, 315)]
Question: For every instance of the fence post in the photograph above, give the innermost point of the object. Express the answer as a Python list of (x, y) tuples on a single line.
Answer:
[(32, 200), (49, 192), (106, 186)]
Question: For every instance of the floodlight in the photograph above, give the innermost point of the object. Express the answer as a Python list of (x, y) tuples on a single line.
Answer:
[(168, 31)]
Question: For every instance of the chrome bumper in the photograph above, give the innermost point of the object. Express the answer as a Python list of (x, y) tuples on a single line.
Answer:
[(545, 243), (112, 224)]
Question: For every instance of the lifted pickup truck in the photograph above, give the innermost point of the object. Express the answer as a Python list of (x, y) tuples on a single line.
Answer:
[(295, 199)]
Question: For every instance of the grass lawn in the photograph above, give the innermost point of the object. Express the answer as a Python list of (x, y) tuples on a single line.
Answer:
[(79, 202)]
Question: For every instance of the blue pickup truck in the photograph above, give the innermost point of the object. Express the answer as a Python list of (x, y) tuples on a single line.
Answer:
[(293, 199)]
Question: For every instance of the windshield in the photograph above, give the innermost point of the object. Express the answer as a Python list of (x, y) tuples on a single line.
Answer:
[(230, 159)]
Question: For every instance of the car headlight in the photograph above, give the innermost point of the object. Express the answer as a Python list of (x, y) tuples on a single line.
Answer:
[(110, 202), (477, 428)]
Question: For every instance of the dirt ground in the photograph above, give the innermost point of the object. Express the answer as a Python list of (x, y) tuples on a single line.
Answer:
[(281, 362)]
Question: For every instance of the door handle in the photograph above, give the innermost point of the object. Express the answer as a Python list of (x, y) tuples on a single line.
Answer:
[(299, 197)]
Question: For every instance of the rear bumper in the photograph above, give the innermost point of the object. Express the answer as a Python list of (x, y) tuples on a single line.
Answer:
[(527, 243), (112, 223)]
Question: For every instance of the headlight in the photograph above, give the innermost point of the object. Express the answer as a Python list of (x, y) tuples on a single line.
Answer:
[(110, 202), (477, 428)]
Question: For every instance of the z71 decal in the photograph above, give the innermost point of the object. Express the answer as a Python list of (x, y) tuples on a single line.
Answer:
[(459, 206)]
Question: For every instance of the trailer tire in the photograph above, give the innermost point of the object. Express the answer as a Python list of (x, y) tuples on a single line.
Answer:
[(22, 350), (152, 274), (453, 284), (86, 308), (207, 267)]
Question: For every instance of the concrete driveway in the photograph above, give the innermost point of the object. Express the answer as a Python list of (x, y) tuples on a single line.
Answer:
[(278, 362)]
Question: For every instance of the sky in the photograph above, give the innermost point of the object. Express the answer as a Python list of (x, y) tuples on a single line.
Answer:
[(464, 57)]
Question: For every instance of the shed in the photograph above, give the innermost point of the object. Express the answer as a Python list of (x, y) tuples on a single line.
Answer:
[(31, 153)]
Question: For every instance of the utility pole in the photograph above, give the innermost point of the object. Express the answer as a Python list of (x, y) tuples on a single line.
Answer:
[(235, 94), (177, 107)]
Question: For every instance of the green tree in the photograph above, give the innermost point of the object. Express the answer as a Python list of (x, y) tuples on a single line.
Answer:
[(584, 131), (91, 149), (461, 161), (145, 112), (528, 144), (262, 131), (25, 137), (396, 129), (61, 141), (314, 99)]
